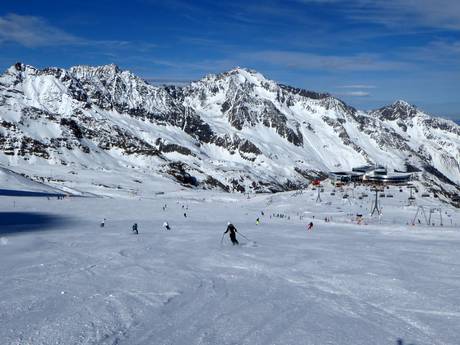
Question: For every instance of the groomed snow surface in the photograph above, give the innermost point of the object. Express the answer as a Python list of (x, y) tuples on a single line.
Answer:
[(66, 280)]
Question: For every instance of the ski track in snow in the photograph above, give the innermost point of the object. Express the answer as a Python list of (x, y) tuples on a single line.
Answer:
[(342, 283)]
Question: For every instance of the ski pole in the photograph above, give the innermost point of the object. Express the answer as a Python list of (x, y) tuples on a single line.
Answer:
[(244, 236), (222, 239)]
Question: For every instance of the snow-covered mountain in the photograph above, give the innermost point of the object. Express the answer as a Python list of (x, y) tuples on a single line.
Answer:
[(236, 131)]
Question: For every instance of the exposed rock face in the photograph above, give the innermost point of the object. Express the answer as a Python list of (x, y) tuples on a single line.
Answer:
[(178, 171), (235, 131), (400, 110), (235, 143), (167, 148)]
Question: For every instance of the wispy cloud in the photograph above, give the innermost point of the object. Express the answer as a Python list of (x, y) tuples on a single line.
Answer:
[(35, 32), (443, 52), (318, 1), (403, 13), (443, 14), (354, 94), (357, 86), (308, 61), (205, 66), (31, 31)]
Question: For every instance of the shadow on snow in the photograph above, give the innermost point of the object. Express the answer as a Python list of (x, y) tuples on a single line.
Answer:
[(12, 192), (17, 222)]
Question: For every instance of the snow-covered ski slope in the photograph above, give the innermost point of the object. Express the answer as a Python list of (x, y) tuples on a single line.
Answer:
[(11, 182), (66, 280)]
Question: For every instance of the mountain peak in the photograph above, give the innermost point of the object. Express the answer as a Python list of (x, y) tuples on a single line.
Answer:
[(244, 74), (111, 67), (103, 69), (242, 70), (399, 110), (20, 67), (402, 103)]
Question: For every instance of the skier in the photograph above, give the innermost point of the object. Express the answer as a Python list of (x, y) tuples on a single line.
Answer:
[(257, 221), (103, 223), (185, 214), (310, 226), (166, 225), (135, 229), (232, 233)]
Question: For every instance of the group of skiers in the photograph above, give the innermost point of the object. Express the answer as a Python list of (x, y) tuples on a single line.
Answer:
[(280, 215), (231, 229), (136, 231), (135, 228)]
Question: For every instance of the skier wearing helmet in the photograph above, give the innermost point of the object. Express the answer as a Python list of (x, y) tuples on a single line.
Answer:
[(232, 233)]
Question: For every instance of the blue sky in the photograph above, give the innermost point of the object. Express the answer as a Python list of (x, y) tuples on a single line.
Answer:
[(368, 53)]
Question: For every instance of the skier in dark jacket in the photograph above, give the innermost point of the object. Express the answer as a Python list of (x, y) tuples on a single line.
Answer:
[(232, 233), (135, 228)]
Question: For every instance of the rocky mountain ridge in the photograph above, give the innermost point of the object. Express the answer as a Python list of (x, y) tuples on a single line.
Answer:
[(236, 131)]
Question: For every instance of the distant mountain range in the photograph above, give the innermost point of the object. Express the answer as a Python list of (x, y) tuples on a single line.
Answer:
[(235, 131)]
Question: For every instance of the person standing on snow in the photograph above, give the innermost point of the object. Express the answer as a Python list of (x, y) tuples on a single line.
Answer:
[(310, 226), (135, 229), (103, 223), (257, 221), (166, 225), (232, 233)]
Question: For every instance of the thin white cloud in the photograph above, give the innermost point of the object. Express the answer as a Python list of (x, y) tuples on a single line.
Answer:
[(318, 1), (354, 94), (440, 52), (205, 66), (443, 14), (32, 32), (440, 14), (357, 86), (308, 61)]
